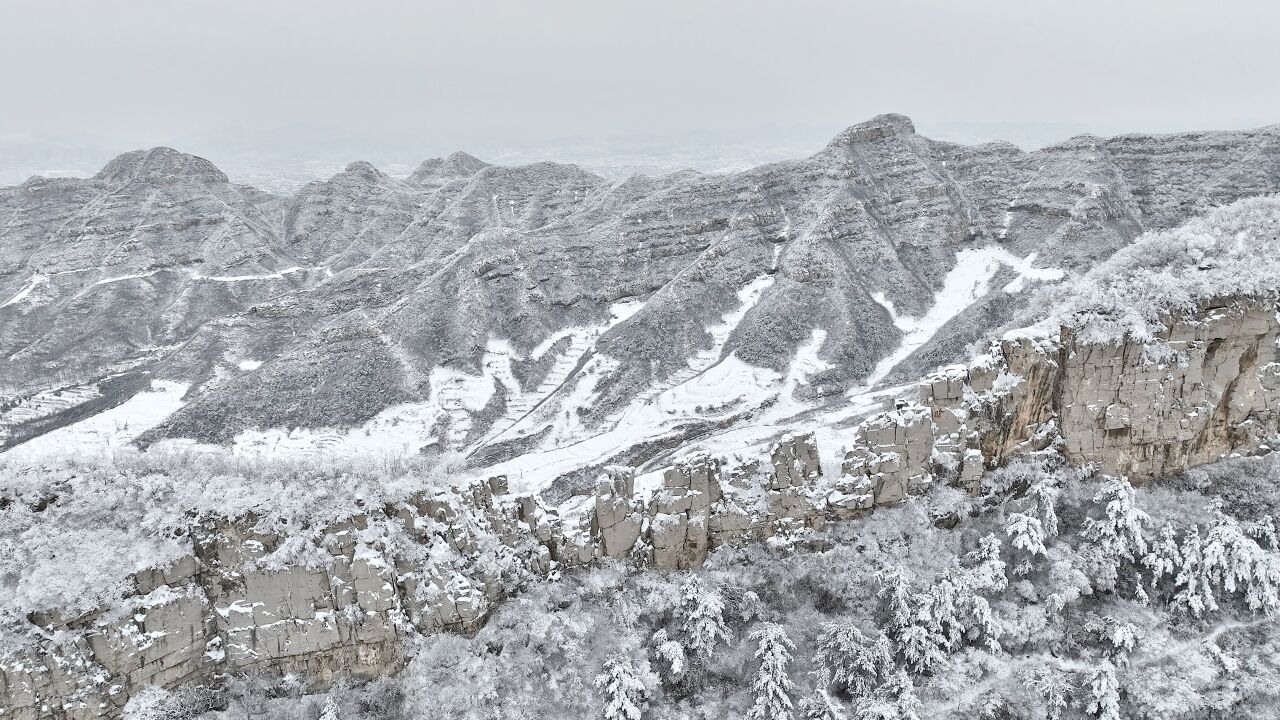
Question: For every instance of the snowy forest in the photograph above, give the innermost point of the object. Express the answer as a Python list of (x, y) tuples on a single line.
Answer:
[(1054, 593)]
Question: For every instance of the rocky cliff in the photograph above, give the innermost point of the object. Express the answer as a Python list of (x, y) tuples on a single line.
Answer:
[(340, 599)]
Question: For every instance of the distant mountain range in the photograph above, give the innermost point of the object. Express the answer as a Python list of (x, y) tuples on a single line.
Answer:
[(542, 311)]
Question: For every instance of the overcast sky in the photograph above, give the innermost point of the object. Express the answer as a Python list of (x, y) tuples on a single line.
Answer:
[(146, 72)]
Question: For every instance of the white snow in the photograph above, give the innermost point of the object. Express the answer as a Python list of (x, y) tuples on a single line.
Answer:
[(135, 276), (111, 428), (964, 285), (709, 387), (455, 397), (45, 404), (36, 280), (400, 430), (1025, 272), (527, 410), (246, 278)]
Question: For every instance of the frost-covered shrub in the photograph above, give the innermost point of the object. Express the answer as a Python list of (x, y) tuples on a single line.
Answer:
[(1230, 251)]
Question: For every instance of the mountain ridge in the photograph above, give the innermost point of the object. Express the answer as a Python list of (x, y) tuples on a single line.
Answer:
[(364, 292)]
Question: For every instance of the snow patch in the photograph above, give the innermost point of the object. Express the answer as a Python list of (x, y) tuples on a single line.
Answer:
[(36, 280), (247, 278), (109, 429), (964, 285)]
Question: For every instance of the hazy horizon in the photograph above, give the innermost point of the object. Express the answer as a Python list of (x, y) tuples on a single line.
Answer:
[(304, 87)]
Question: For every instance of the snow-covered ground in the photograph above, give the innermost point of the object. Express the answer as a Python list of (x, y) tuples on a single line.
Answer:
[(109, 429), (36, 280), (964, 285), (754, 404)]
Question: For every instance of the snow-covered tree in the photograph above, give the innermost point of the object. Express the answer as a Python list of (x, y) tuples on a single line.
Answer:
[(921, 648), (849, 661), (1264, 532), (896, 594), (817, 706), (982, 623), (1121, 637), (938, 611), (154, 703), (670, 652), (1104, 693), (703, 624), (1045, 494), (623, 691), (772, 686), (1237, 563), (988, 574), (1165, 558), (1228, 664), (894, 700), (1118, 533), (926, 626), (1194, 585), (1052, 687), (1027, 535)]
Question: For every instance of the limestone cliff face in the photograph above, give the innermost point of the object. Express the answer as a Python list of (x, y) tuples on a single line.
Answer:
[(341, 600), (1206, 387)]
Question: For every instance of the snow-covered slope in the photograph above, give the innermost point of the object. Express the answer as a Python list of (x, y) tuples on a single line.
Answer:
[(541, 319)]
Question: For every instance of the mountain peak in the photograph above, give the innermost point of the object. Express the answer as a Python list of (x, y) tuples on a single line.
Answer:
[(363, 169), (440, 170), (878, 127), (160, 163)]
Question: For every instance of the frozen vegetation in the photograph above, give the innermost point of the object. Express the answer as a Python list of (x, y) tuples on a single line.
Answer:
[(1051, 593), (1233, 251)]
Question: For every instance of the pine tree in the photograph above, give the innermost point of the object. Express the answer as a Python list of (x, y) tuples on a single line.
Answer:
[(1027, 535), (896, 594), (938, 612), (1195, 589), (1119, 532), (1237, 563), (1264, 532), (623, 691), (704, 624), (1052, 687), (982, 623), (921, 649), (772, 686), (1122, 637), (894, 700), (911, 622), (988, 575), (671, 652), (1104, 694), (1165, 558), (817, 707), (850, 662)]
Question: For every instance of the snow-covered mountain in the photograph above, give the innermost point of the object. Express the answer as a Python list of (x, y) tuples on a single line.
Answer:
[(541, 319)]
